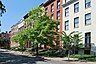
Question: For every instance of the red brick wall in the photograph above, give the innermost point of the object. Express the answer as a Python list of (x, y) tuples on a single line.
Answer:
[(48, 6), (49, 13)]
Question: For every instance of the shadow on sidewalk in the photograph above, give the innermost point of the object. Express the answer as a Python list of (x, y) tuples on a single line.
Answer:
[(11, 58)]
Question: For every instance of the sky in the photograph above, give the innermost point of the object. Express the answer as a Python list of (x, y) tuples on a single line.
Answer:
[(15, 10)]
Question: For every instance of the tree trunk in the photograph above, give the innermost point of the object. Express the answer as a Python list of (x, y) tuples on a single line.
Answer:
[(68, 54), (74, 51), (22, 52), (37, 49)]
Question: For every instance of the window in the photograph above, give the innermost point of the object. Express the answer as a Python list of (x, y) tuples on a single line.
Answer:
[(88, 19), (67, 12), (58, 28), (58, 4), (87, 3), (76, 22), (52, 16), (88, 38), (66, 1), (46, 9), (76, 7), (58, 15), (52, 8), (66, 25)]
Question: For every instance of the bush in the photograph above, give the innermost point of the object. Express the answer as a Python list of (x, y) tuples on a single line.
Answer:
[(84, 57), (17, 49), (53, 53)]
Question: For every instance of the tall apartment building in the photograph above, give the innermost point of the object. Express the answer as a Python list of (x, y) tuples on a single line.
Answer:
[(80, 15), (53, 9)]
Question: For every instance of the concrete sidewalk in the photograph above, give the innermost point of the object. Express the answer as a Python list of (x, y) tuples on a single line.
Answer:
[(72, 60), (30, 55), (49, 60), (61, 59)]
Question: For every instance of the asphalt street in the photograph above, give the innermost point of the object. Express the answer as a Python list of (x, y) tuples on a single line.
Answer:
[(13, 57), (7, 57)]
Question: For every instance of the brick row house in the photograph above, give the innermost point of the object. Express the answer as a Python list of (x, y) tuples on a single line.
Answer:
[(5, 40), (54, 9), (17, 28), (75, 15)]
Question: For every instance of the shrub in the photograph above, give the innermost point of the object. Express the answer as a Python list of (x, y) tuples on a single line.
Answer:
[(84, 57), (52, 53)]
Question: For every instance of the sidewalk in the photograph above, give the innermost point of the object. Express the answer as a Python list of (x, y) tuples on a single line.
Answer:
[(29, 55), (72, 60), (61, 59), (48, 60)]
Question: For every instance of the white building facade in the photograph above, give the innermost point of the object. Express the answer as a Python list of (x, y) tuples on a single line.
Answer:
[(80, 15)]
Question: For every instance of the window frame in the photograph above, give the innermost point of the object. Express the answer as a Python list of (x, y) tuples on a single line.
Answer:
[(76, 9), (52, 16), (67, 12), (87, 19), (66, 25), (58, 4), (46, 11), (58, 16), (87, 4), (76, 23), (88, 38), (52, 7)]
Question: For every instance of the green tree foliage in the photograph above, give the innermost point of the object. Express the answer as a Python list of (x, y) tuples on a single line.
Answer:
[(77, 39), (20, 38), (4, 42), (42, 31), (73, 40), (2, 8)]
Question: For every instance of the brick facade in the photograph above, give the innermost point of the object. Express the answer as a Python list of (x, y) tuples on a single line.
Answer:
[(52, 8), (4, 39)]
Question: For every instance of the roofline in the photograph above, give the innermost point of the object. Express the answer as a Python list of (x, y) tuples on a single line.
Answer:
[(48, 2), (17, 23), (68, 3)]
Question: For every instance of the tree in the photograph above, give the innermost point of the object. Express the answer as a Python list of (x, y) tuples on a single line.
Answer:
[(43, 29), (2, 8), (21, 38), (41, 32), (71, 40), (4, 42), (77, 39)]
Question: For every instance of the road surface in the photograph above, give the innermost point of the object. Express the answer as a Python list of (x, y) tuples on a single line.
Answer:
[(12, 57)]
